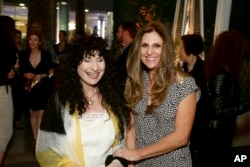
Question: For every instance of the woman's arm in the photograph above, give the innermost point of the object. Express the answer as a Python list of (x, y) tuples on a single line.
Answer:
[(130, 137), (130, 134), (179, 138)]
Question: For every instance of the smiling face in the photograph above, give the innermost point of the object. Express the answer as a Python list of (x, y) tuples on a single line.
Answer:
[(91, 69), (151, 50)]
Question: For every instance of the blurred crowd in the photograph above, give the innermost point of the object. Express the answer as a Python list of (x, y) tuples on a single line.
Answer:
[(160, 113)]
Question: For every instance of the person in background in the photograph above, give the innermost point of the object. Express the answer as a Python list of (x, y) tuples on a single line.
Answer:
[(60, 49), (17, 86), (36, 27), (91, 117), (223, 69), (125, 34), (61, 46), (18, 38), (36, 67), (163, 100), (79, 38), (190, 50), (7, 72)]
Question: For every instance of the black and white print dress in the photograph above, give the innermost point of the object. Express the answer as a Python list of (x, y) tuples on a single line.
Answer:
[(150, 128)]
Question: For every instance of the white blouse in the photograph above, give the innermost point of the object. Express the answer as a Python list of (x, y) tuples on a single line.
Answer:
[(98, 135)]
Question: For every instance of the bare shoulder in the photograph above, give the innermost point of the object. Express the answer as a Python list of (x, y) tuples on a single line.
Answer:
[(181, 76)]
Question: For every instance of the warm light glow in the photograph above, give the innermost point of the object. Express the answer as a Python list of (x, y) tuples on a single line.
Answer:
[(72, 26), (63, 3), (18, 23), (99, 27), (86, 10), (21, 4), (103, 29)]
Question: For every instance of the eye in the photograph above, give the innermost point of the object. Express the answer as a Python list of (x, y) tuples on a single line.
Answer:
[(86, 59), (100, 59), (144, 45), (157, 45)]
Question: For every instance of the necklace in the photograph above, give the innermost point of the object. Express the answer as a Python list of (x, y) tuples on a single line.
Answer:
[(90, 101)]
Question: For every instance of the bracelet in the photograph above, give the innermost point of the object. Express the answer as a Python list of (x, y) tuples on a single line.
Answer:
[(43, 76)]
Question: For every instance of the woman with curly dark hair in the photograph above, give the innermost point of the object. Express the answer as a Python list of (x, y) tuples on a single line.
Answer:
[(84, 122)]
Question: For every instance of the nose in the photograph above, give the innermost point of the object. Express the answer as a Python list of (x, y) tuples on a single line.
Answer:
[(94, 66), (149, 50)]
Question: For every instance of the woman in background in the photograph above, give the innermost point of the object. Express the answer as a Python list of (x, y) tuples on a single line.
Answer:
[(190, 51), (36, 67), (223, 69)]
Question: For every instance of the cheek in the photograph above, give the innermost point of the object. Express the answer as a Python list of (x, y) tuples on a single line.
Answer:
[(159, 51), (80, 68), (142, 52), (143, 59), (102, 67), (142, 55), (181, 53)]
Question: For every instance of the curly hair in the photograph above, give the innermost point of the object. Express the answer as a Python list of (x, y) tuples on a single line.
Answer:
[(228, 51), (69, 86)]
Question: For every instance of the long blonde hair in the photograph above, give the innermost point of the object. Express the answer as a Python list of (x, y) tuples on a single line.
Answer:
[(164, 74)]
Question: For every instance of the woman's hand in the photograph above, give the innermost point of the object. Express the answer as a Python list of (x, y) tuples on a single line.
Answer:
[(29, 75), (128, 154), (38, 77), (11, 74)]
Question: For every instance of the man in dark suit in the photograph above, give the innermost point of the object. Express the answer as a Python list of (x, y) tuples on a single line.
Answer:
[(125, 35)]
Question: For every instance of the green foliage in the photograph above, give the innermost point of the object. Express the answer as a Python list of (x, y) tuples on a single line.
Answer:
[(142, 12)]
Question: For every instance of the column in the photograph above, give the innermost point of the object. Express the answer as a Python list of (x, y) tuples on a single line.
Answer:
[(63, 15), (80, 15), (1, 7), (222, 16)]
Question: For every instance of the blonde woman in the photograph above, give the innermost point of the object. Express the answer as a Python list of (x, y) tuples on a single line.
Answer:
[(163, 101)]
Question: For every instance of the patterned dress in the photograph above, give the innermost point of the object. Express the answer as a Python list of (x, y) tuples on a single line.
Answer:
[(150, 128)]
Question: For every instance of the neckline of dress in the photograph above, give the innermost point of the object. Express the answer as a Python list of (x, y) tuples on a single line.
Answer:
[(93, 115)]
